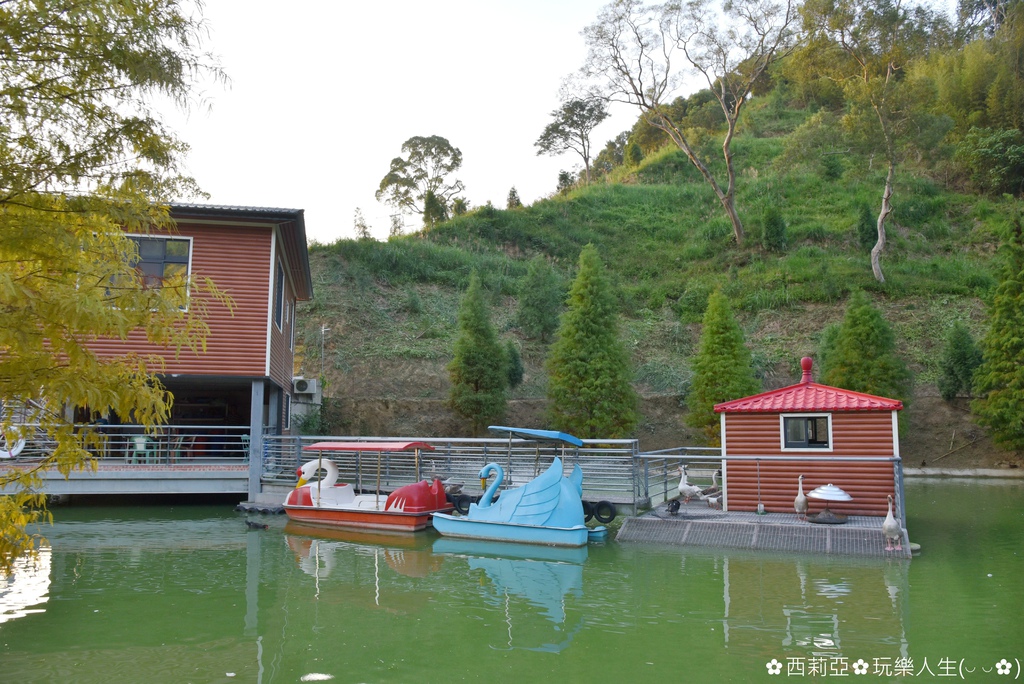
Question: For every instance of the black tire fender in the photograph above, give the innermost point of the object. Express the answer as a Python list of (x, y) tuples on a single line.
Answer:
[(588, 511), (462, 502), (604, 511)]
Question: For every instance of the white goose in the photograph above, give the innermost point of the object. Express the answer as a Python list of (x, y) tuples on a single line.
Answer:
[(800, 503), (687, 490), (892, 530)]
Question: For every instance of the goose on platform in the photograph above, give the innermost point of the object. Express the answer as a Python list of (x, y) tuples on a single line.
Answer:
[(714, 490), (892, 530), (687, 490), (800, 503)]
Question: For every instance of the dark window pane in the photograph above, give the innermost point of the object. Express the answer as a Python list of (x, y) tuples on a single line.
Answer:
[(177, 250)]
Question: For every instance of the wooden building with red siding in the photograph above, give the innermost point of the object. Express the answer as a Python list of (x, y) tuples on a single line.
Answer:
[(810, 419), (243, 376)]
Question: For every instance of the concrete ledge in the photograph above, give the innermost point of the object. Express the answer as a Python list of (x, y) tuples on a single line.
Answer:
[(148, 479), (1007, 473)]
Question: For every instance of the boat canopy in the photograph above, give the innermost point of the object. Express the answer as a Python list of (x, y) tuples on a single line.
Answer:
[(538, 435), (367, 446)]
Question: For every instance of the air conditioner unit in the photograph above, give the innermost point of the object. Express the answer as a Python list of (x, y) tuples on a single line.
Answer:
[(304, 385)]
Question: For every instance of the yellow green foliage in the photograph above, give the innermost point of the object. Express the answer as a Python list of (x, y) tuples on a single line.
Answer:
[(83, 155)]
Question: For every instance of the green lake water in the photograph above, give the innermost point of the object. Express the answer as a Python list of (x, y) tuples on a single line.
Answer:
[(190, 594)]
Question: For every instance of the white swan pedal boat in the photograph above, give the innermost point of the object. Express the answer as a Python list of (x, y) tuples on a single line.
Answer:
[(325, 501)]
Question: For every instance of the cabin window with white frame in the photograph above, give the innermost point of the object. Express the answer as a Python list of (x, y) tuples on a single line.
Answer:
[(279, 295), (162, 259), (291, 332), (807, 432)]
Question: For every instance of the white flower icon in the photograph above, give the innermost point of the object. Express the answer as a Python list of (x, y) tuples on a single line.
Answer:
[(860, 667), (775, 667), (1003, 667)]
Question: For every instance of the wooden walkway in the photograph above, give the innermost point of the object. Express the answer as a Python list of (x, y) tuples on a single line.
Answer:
[(697, 525)]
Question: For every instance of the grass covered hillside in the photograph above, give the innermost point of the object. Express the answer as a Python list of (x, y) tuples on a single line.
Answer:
[(391, 307)]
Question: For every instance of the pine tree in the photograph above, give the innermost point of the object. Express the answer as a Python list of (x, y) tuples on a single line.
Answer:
[(540, 300), (960, 358), (999, 381), (863, 356), (867, 227), (515, 364), (589, 391), (513, 201), (479, 369), (774, 236), (721, 369)]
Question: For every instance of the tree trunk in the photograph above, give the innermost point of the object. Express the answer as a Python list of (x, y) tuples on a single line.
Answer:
[(727, 197), (876, 251), (730, 209)]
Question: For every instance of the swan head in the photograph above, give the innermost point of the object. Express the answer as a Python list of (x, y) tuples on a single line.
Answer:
[(309, 470)]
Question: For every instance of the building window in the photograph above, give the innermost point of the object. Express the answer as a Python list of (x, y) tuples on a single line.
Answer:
[(291, 333), (807, 432), (162, 259), (279, 295)]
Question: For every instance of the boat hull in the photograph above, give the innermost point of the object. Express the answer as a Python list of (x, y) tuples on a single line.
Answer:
[(396, 521), (466, 528)]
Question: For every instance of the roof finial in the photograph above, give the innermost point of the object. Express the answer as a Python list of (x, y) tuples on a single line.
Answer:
[(805, 365)]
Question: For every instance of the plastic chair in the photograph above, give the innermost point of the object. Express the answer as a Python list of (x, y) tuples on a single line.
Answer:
[(144, 450), (245, 447)]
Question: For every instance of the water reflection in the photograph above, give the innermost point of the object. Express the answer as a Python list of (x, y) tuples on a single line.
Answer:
[(543, 576), (188, 594), (316, 549), (813, 607), (26, 586)]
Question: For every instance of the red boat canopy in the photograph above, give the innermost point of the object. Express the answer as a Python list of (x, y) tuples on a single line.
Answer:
[(367, 446)]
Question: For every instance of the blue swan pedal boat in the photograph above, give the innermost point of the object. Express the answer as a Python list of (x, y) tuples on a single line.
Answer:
[(547, 510)]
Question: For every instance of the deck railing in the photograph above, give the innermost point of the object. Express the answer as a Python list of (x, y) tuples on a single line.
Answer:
[(608, 471), (131, 444), (661, 468)]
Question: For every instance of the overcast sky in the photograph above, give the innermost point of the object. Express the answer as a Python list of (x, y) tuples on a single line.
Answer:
[(323, 94)]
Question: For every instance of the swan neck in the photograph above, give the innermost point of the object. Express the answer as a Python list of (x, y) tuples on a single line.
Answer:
[(488, 496)]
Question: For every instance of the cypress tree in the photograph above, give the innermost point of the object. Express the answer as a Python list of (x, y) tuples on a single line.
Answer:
[(863, 356), (479, 368), (773, 237), (722, 368), (867, 227), (515, 368), (960, 358), (999, 381), (513, 201), (540, 300), (589, 391)]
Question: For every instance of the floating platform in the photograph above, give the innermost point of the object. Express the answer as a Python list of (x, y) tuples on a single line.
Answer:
[(697, 525)]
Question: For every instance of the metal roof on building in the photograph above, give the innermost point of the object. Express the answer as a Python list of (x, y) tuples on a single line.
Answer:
[(808, 396)]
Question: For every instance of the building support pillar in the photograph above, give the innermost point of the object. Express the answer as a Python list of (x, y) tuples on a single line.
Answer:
[(255, 438)]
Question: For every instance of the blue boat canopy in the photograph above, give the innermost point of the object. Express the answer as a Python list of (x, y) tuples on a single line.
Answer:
[(538, 435)]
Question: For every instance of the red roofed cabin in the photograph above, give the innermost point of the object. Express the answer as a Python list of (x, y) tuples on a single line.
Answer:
[(807, 419)]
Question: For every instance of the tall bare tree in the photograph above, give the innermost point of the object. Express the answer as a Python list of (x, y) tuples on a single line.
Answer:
[(865, 45), (571, 127), (632, 58)]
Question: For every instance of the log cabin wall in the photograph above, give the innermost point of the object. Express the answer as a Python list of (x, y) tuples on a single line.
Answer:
[(856, 433)]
